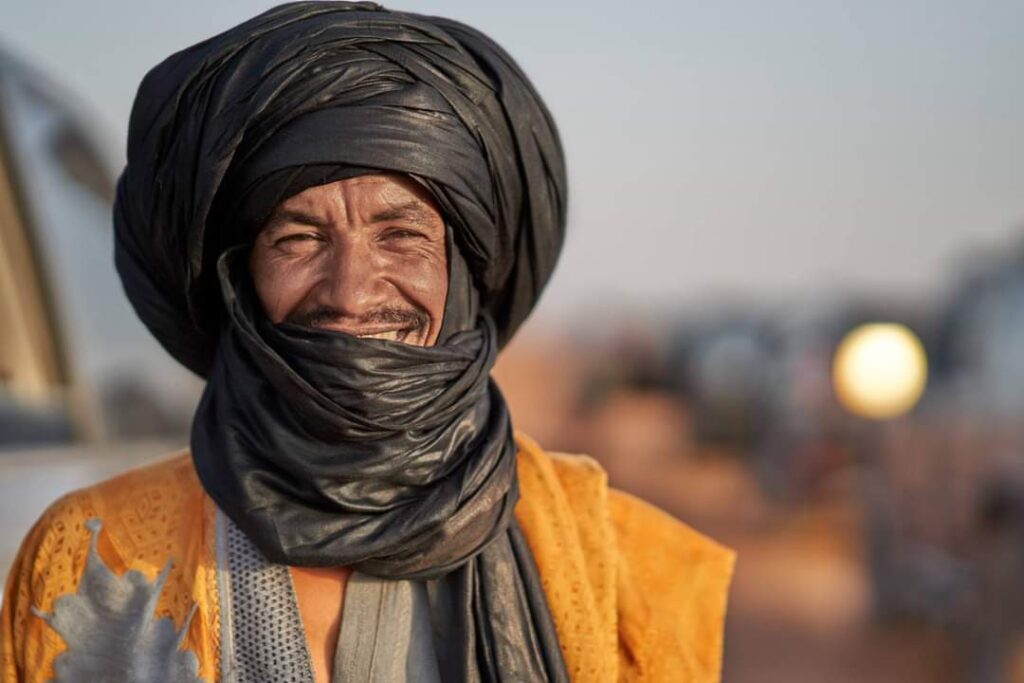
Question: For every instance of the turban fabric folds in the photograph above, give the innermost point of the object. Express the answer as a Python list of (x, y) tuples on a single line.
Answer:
[(327, 449), (343, 84)]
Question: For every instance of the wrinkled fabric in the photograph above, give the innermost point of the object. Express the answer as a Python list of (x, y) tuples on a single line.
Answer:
[(332, 450), (326, 449)]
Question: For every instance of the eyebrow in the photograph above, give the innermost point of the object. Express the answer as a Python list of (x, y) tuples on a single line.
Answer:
[(410, 211), (284, 216)]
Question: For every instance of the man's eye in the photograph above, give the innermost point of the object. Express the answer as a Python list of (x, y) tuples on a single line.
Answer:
[(297, 237), (402, 234)]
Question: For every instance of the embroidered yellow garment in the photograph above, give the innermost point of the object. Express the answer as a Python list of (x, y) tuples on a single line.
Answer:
[(635, 594)]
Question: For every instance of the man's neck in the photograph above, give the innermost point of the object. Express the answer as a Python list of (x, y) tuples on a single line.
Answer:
[(320, 592)]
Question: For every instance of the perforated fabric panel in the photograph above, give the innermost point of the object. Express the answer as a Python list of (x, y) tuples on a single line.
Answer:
[(269, 643)]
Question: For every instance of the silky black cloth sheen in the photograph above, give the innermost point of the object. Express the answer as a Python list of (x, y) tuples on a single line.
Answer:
[(331, 450), (322, 83)]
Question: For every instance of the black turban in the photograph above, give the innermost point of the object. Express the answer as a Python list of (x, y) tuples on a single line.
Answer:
[(332, 83)]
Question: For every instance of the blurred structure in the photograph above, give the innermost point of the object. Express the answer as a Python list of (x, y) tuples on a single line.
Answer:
[(945, 489), (78, 373), (890, 536), (71, 351)]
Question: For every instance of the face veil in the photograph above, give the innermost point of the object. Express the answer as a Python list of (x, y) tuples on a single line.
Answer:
[(327, 449)]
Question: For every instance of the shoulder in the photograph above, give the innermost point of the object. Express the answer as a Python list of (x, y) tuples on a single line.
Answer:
[(140, 511), (146, 516), (580, 482), (662, 584), (132, 506), (673, 592), (144, 512)]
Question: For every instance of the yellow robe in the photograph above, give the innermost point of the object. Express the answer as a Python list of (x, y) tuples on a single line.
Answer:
[(635, 594)]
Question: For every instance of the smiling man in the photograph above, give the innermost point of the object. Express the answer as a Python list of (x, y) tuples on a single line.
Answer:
[(337, 215), (363, 256)]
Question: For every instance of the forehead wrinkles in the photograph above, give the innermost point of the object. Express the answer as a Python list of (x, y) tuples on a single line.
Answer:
[(397, 201), (325, 203), (366, 199)]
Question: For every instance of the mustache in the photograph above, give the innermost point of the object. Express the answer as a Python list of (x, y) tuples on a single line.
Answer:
[(408, 318)]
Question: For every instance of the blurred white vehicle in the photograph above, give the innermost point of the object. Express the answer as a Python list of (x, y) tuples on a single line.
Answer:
[(84, 390)]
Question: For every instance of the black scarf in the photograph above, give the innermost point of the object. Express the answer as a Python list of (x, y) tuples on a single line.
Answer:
[(324, 448), (331, 450), (394, 459)]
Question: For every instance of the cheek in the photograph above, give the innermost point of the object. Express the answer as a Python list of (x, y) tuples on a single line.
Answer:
[(423, 280), (281, 284)]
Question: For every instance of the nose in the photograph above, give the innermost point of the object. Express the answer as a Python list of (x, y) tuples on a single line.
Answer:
[(354, 282)]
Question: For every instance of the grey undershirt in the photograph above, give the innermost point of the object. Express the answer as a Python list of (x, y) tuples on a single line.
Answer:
[(386, 633)]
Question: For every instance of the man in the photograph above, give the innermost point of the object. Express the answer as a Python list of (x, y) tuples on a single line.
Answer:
[(337, 214)]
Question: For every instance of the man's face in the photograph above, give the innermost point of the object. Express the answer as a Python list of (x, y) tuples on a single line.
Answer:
[(364, 256)]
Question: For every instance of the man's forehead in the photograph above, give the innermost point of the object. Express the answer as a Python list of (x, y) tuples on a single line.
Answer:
[(374, 197)]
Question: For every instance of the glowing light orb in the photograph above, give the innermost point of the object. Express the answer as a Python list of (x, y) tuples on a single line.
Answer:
[(880, 370)]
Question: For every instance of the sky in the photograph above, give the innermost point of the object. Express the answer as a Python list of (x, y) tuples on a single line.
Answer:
[(763, 151)]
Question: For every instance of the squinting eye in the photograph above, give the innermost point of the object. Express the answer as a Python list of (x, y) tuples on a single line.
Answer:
[(298, 237), (402, 233)]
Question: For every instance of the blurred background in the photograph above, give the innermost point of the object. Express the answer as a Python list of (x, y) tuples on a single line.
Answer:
[(790, 309)]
